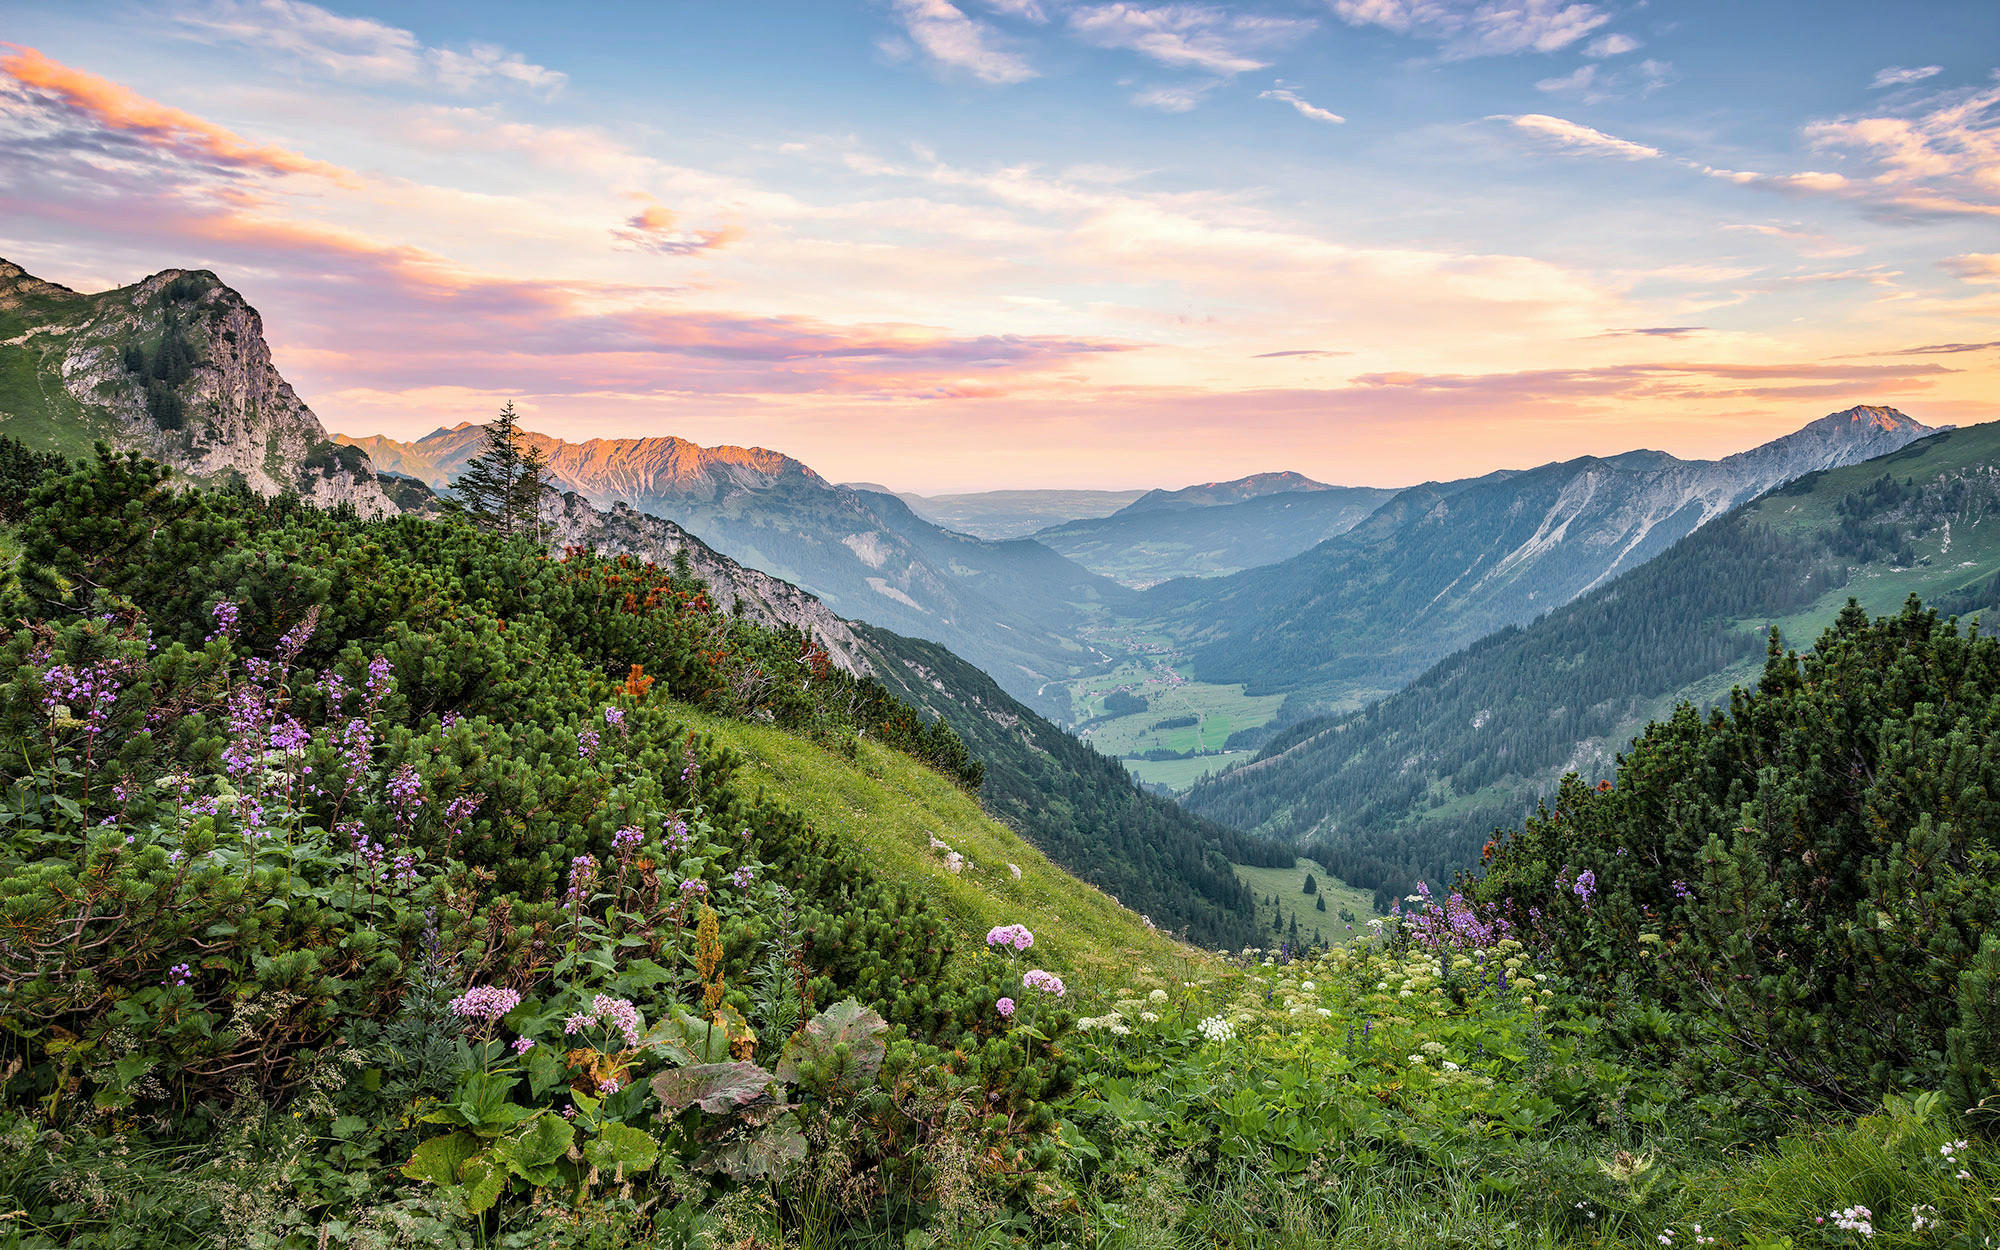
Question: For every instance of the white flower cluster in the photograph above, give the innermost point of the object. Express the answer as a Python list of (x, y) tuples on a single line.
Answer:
[(1855, 1219), (1217, 1030), (1950, 1150), (1922, 1218)]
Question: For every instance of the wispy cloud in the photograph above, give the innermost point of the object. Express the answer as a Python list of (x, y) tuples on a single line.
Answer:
[(363, 48), (1973, 266), (1188, 36), (1896, 76), (1943, 349), (1310, 353), (1304, 107), (1576, 135), (1175, 97), (1654, 332), (1474, 28), (1939, 155), (1610, 45), (945, 34), (120, 109)]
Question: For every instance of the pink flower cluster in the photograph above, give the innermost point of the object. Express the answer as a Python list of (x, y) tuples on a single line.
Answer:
[(614, 1013), (1015, 936), (485, 1002), (1046, 982)]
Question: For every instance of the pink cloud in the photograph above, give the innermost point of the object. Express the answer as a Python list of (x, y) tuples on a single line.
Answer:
[(119, 108)]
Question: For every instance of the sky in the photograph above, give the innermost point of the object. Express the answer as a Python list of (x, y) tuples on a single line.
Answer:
[(955, 245)]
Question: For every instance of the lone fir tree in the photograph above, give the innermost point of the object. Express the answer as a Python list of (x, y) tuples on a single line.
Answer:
[(503, 486)]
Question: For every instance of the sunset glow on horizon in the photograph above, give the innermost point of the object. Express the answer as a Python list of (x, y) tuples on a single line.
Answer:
[(954, 245)]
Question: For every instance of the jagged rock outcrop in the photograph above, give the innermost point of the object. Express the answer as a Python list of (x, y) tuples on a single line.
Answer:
[(236, 418)]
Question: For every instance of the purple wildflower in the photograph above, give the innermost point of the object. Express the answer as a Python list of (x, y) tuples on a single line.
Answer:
[(743, 876), (1005, 1007), (1046, 982), (586, 743), (224, 614)]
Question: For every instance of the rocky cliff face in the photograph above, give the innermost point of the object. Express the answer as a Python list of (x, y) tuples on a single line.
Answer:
[(240, 419), (623, 530)]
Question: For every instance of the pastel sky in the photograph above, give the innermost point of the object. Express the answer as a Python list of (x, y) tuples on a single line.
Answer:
[(966, 244)]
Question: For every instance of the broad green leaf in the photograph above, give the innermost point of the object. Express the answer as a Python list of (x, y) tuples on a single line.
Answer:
[(622, 1150), (438, 1160)]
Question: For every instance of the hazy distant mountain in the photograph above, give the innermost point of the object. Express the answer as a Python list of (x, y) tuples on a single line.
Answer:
[(1414, 785), (1436, 567), (1012, 513), (1013, 608), (1211, 494), (1140, 547)]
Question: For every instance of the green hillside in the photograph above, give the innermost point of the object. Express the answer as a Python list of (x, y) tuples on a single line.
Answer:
[(1411, 787), (1080, 806), (888, 807)]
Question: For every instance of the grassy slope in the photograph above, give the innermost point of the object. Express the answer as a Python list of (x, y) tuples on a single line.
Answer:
[(32, 409), (891, 806), (1289, 886)]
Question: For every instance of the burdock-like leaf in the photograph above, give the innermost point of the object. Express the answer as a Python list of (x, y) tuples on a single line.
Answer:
[(845, 1022), (716, 1088), (770, 1153)]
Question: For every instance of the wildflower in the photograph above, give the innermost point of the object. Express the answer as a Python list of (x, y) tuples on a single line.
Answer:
[(224, 615), (615, 717), (522, 1045), (485, 1002), (1586, 886), (743, 876), (406, 789), (1010, 935), (1015, 869), (582, 876), (1855, 1219), (1682, 891), (1922, 1218), (694, 887), (576, 1022), (177, 975), (608, 1086), (627, 840), (586, 743), (1047, 982), (1149, 1017), (1005, 1007), (955, 862), (617, 1013), (1217, 1030), (678, 837), (1157, 996)]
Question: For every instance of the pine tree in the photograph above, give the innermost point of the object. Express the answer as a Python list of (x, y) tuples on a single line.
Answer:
[(503, 487), (1312, 884)]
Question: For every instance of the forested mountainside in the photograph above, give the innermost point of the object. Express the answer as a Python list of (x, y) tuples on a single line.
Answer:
[(1081, 808), (1412, 787), (1141, 546), (1012, 607), (1437, 568)]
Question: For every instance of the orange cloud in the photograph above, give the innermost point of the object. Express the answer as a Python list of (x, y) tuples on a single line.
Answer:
[(120, 108), (656, 228)]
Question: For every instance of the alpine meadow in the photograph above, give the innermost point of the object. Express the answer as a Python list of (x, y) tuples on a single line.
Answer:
[(964, 624)]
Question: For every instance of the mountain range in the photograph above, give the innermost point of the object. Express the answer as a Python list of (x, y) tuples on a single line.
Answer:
[(1439, 566), (1013, 607), (1409, 788)]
